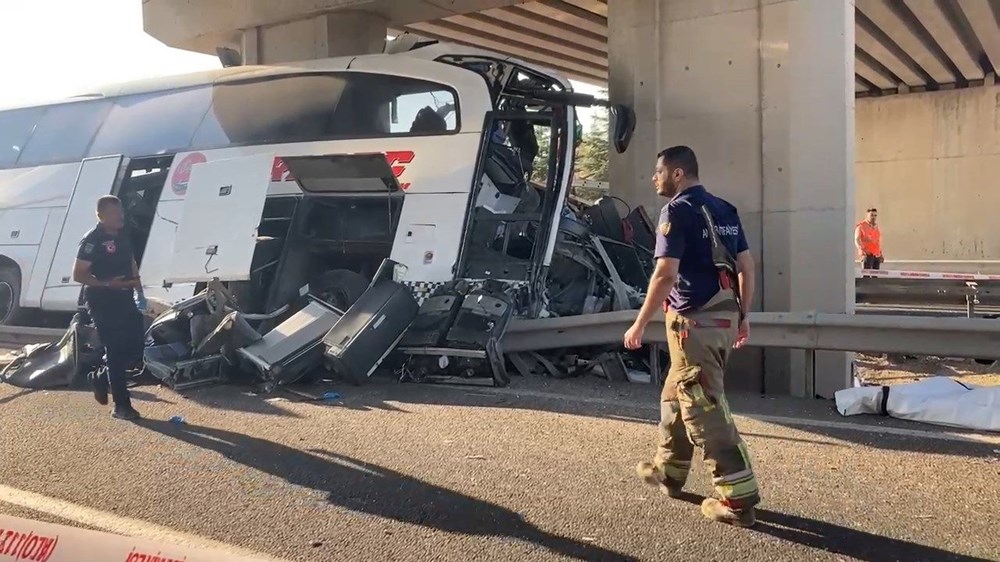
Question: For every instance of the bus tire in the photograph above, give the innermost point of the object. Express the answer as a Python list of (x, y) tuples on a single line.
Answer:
[(340, 287), (10, 295)]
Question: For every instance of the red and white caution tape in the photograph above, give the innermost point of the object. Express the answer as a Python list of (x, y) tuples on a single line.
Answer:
[(889, 274), (26, 540)]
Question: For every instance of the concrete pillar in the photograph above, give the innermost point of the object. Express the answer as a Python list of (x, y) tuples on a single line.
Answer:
[(820, 205), (762, 90), (335, 34)]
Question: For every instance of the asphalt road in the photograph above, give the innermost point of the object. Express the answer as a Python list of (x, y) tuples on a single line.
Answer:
[(540, 471)]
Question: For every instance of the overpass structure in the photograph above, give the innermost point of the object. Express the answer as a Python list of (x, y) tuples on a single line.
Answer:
[(765, 91), (900, 45)]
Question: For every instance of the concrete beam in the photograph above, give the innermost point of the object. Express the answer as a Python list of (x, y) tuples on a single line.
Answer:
[(321, 36), (180, 23), (569, 14), (902, 32), (528, 36), (984, 23), (877, 77), (502, 44), (403, 12), (599, 7), (944, 33), (589, 76), (887, 56), (552, 28)]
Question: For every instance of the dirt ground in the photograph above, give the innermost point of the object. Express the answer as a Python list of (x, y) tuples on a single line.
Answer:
[(889, 370)]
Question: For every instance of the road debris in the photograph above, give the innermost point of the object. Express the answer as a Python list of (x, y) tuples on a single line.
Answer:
[(601, 261)]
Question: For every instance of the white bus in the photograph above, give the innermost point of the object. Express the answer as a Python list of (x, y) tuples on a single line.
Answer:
[(275, 177)]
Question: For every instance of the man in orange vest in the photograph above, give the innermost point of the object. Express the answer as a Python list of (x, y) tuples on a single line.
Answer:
[(868, 241)]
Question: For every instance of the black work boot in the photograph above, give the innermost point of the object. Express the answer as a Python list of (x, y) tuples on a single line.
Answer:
[(654, 476), (715, 510), (100, 389), (127, 413)]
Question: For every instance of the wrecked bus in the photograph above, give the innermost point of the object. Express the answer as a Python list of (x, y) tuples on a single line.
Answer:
[(454, 162)]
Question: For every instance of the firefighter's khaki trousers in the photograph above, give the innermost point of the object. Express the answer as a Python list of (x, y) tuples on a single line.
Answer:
[(693, 407)]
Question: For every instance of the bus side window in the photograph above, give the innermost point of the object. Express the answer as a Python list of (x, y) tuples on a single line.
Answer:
[(152, 123), (427, 112), (16, 127), (64, 132), (320, 107), (270, 110)]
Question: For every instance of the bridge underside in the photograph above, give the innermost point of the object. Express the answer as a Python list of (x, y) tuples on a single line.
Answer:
[(908, 45), (900, 45)]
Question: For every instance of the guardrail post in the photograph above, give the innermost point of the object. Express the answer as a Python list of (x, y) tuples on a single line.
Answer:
[(971, 299), (810, 374)]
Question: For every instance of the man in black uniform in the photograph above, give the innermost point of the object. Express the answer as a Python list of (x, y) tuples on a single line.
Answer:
[(704, 266), (106, 267)]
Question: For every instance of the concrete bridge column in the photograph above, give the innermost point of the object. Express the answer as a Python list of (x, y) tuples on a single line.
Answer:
[(341, 33), (763, 91)]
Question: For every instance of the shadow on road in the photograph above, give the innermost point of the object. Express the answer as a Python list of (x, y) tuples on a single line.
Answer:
[(236, 398), (376, 490), (829, 537), (20, 393), (631, 403), (637, 404), (895, 442)]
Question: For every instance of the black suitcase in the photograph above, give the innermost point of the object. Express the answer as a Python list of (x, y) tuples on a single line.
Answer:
[(369, 330)]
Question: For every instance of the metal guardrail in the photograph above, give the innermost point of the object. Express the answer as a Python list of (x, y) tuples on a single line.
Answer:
[(892, 333), (927, 291), (952, 337)]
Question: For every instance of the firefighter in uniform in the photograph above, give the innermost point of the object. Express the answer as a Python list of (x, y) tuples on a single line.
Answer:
[(105, 266), (705, 270)]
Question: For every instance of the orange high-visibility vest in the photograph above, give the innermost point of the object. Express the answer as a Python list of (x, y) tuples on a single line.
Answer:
[(871, 239)]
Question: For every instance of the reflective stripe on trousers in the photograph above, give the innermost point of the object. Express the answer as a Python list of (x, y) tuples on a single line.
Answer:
[(693, 407)]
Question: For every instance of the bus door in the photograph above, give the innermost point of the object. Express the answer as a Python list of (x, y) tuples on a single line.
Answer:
[(97, 177), (509, 222), (217, 231)]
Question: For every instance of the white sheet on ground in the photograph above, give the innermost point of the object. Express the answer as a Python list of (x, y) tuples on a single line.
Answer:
[(937, 400)]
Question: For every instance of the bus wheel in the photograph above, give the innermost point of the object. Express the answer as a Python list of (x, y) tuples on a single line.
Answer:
[(340, 287), (10, 295)]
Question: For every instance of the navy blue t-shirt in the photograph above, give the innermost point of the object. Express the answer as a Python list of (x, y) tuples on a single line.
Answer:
[(110, 256), (683, 234)]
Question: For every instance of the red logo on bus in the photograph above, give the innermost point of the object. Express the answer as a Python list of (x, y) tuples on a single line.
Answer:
[(397, 157), (182, 172), (279, 171)]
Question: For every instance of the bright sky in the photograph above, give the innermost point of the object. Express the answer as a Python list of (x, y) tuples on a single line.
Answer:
[(51, 49)]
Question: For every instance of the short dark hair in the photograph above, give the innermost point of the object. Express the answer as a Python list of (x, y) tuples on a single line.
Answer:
[(872, 210), (106, 201), (680, 157)]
